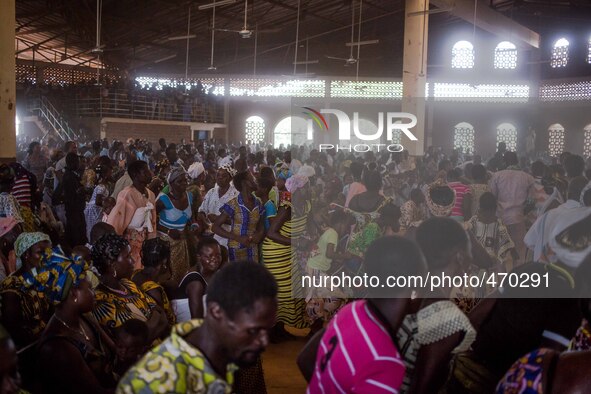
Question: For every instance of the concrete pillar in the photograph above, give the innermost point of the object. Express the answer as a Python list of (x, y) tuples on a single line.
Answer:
[(414, 70), (7, 83)]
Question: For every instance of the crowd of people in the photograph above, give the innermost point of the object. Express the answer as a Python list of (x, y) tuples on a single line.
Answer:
[(125, 97), (130, 268)]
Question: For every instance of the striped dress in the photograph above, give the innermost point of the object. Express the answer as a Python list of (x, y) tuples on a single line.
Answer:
[(281, 261)]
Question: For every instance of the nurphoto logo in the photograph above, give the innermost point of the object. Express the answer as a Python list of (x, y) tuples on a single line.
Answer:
[(394, 121)]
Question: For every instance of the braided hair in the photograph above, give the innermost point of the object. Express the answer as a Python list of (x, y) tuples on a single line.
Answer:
[(106, 249), (154, 251)]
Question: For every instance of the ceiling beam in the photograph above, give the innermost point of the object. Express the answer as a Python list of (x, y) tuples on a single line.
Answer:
[(43, 29), (37, 44), (491, 21), (308, 12)]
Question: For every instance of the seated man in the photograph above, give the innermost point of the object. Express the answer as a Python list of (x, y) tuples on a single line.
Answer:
[(200, 355)]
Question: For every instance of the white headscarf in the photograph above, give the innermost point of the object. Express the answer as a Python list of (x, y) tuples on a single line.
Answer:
[(195, 170), (569, 256)]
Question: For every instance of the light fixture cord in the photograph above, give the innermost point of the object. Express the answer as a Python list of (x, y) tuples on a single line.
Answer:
[(295, 61)]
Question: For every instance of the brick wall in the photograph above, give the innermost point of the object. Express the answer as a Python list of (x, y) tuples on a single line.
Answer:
[(150, 131)]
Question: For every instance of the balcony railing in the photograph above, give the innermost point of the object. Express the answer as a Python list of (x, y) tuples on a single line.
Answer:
[(176, 107)]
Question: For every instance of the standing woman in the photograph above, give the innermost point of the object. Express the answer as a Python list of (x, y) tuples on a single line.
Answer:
[(117, 298), (94, 209), (25, 312), (215, 199), (246, 216), (278, 254), (134, 216), (174, 214)]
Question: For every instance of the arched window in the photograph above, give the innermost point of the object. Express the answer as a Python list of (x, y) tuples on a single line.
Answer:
[(507, 133), (587, 141), (462, 55), (255, 129), (555, 139), (292, 130), (464, 137), (506, 55), (559, 53)]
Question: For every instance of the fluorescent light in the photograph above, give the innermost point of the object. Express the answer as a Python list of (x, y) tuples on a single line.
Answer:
[(368, 42), (165, 58), (431, 12), (181, 37), (307, 62), (215, 4)]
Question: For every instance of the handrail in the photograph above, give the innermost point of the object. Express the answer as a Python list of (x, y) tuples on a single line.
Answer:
[(49, 113), (120, 104)]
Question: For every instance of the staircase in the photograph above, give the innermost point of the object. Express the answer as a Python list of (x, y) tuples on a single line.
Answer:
[(50, 119)]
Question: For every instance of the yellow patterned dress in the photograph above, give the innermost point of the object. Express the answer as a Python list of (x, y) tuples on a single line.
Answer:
[(150, 285), (281, 261), (112, 309), (175, 366), (35, 308)]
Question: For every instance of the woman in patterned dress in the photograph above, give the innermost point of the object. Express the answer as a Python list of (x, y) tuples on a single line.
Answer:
[(245, 214), (117, 298), (279, 255), (24, 311), (175, 213)]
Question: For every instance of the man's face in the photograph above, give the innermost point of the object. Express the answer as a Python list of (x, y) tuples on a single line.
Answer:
[(246, 336), (172, 156), (145, 175), (73, 148)]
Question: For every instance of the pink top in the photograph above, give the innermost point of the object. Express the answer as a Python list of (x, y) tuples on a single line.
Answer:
[(357, 355), (461, 191), (354, 189)]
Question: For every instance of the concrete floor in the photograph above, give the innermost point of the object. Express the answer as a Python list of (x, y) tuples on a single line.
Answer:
[(282, 375)]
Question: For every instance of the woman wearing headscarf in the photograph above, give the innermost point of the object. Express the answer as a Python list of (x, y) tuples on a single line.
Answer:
[(279, 255), (25, 312), (197, 174), (134, 216), (215, 199), (175, 213), (245, 214), (117, 298), (74, 353)]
